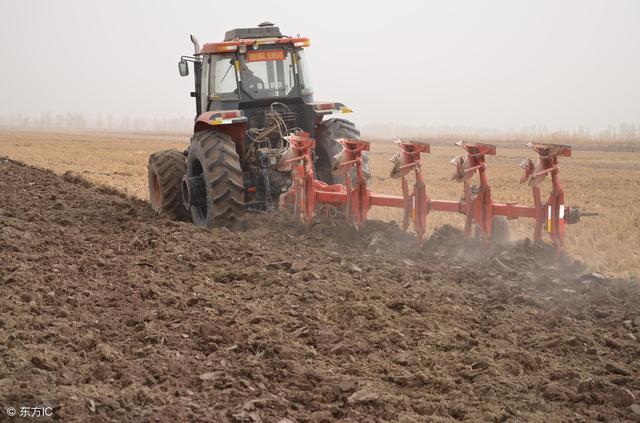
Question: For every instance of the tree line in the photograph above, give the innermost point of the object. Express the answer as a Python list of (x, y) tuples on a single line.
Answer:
[(623, 132)]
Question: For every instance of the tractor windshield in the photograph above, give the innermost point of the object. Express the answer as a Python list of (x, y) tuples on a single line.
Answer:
[(267, 73)]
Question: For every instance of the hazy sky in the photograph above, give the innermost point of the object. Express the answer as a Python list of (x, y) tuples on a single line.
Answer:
[(475, 63)]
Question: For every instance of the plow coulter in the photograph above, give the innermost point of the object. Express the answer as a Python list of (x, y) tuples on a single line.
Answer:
[(308, 196)]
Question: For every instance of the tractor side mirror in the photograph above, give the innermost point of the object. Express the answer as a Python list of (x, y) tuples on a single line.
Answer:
[(183, 68)]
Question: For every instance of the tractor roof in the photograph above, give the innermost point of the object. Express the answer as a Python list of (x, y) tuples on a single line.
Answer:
[(265, 33), (264, 30)]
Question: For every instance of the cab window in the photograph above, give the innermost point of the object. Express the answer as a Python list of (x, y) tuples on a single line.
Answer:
[(223, 82), (303, 72)]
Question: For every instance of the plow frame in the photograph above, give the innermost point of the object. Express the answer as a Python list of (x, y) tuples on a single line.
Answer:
[(308, 194)]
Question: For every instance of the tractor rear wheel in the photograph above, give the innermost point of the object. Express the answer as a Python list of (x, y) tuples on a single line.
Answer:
[(213, 187), (327, 134), (166, 169)]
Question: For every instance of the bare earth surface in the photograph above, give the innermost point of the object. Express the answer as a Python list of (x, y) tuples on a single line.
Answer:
[(109, 313)]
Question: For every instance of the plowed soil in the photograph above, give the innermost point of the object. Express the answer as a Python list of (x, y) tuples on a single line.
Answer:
[(109, 313)]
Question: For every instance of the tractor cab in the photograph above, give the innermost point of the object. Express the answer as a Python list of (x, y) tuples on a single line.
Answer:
[(269, 68), (252, 69)]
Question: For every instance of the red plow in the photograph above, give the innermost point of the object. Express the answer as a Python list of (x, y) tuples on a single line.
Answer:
[(309, 196)]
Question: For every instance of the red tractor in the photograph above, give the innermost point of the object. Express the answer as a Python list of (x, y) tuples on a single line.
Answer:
[(252, 93)]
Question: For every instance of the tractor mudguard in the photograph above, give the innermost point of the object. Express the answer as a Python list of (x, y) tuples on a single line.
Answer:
[(230, 122), (319, 109)]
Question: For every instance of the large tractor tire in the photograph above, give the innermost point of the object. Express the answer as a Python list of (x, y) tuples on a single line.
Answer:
[(327, 134), (213, 188), (166, 169)]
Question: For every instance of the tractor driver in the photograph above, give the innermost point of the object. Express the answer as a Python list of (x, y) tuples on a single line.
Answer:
[(250, 80)]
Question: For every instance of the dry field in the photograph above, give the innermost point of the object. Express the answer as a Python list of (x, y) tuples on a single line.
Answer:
[(110, 313), (600, 181)]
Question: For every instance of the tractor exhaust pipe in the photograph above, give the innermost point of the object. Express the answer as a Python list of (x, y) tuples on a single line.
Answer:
[(196, 44)]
